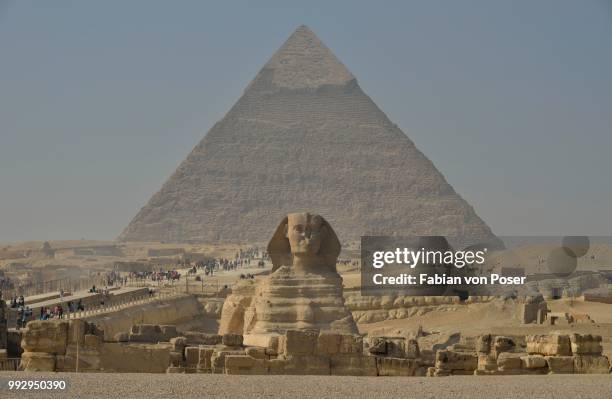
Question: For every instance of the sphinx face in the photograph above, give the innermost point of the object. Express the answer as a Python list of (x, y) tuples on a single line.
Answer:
[(304, 233)]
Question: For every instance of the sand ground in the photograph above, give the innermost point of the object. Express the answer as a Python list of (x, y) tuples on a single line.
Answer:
[(153, 386)]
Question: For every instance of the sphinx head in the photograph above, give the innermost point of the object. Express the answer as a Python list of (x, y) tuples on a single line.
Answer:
[(303, 231), (304, 235)]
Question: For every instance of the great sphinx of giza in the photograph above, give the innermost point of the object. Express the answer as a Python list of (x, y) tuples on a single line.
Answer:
[(303, 290)]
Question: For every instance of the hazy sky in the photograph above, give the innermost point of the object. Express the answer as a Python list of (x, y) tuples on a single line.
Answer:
[(101, 100)]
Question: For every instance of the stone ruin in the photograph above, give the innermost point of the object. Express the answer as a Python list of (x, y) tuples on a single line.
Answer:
[(308, 352), (554, 353), (52, 345), (555, 288), (56, 345), (303, 291), (533, 309), (601, 294)]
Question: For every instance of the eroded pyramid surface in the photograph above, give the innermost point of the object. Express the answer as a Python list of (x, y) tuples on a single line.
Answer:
[(305, 137)]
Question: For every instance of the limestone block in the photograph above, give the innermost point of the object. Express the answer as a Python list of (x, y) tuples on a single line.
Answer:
[(276, 366), (353, 364), (392, 367), (168, 331), (549, 345), (204, 360), (300, 342), (502, 344), (198, 338), (591, 364), (378, 346), (451, 360), (178, 344), (268, 341), (306, 365), (239, 361), (395, 347), (586, 344), (533, 362), (89, 359), (232, 339), (328, 343), (560, 364), (92, 341), (127, 357), (412, 349), (483, 343), (351, 344), (76, 331), (37, 361), (441, 372), (243, 364), (48, 336), (509, 361), (176, 359), (428, 357), (261, 340), (462, 347), (146, 333), (487, 362), (256, 353), (146, 329), (192, 356), (217, 359)]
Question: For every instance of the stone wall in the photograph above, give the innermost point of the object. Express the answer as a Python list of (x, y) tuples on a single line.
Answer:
[(536, 354), (533, 309), (601, 294), (56, 345), (567, 288), (304, 352), (168, 311), (372, 309)]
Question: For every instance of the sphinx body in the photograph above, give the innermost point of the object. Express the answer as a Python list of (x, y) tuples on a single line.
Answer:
[(303, 291)]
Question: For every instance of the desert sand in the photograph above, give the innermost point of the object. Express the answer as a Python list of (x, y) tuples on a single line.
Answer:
[(153, 386)]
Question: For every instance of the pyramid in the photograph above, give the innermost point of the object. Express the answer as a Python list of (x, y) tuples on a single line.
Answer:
[(305, 137)]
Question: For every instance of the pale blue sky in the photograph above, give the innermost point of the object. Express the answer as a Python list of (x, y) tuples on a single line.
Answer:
[(101, 100)]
